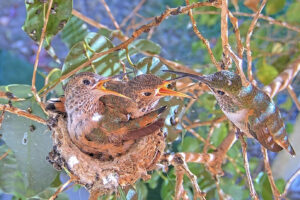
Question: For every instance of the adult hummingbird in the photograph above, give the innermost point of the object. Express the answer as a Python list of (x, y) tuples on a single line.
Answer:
[(249, 108)]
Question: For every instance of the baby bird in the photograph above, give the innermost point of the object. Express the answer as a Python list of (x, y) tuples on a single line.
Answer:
[(108, 126), (144, 92), (249, 108)]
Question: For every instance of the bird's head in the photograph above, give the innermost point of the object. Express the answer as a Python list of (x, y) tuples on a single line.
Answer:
[(150, 88), (87, 86), (221, 83)]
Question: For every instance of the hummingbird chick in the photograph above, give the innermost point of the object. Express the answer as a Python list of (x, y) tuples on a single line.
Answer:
[(144, 92), (100, 125), (249, 108)]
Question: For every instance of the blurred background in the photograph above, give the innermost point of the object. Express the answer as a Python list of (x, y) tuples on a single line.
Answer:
[(273, 47)]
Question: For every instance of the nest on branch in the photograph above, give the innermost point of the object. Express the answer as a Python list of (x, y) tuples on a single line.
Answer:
[(103, 177)]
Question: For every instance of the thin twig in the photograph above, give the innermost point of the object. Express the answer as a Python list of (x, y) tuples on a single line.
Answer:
[(248, 38), (294, 96), (36, 62), (110, 14), (22, 113), (290, 181), (5, 154), (60, 189), (205, 123), (261, 16), (207, 142), (246, 166), (135, 10), (275, 191), (10, 96), (283, 79), (88, 20), (239, 66), (96, 24), (234, 21), (202, 38), (2, 115), (179, 162), (222, 195), (180, 193), (224, 33)]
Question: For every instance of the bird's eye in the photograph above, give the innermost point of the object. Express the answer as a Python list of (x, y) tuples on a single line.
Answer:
[(86, 82), (220, 92), (147, 93)]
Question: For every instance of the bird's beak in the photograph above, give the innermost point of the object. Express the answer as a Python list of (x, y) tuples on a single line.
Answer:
[(163, 90), (100, 86), (203, 79)]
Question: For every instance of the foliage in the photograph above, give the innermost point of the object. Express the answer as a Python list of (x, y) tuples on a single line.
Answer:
[(25, 172)]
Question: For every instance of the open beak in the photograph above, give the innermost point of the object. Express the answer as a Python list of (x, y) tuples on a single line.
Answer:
[(100, 86), (163, 90)]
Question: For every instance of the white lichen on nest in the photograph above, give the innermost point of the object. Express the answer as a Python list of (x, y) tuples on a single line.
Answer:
[(72, 161)]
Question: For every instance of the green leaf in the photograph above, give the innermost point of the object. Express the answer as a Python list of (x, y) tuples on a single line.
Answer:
[(266, 73), (140, 45), (152, 65), (82, 51), (219, 134), (36, 10), (280, 184), (289, 127), (292, 14), (167, 190), (146, 45), (266, 188), (281, 63), (18, 90), (30, 141), (141, 189), (234, 190), (122, 194), (52, 77), (287, 105), (74, 31), (10, 176), (274, 6), (153, 182), (190, 144)]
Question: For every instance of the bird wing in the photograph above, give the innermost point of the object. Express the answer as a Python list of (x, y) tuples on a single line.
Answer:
[(261, 130), (56, 105), (144, 131)]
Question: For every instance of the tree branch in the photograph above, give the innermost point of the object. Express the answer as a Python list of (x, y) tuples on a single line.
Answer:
[(202, 38), (246, 165), (248, 38), (283, 79), (22, 113), (36, 62), (275, 191)]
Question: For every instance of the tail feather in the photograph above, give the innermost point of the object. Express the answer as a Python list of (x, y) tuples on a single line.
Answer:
[(286, 145), (56, 105)]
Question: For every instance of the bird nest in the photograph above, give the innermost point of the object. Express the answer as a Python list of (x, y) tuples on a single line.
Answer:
[(102, 177)]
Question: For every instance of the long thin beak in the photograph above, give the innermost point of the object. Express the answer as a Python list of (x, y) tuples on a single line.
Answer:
[(163, 90), (204, 79), (100, 86)]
